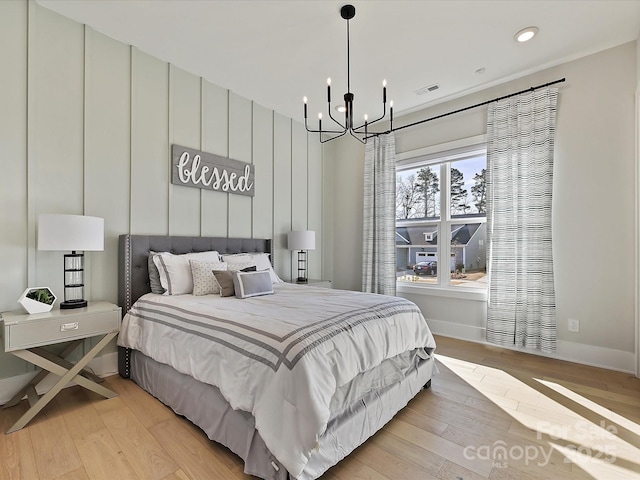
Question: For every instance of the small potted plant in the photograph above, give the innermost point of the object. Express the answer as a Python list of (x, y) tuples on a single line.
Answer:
[(37, 300)]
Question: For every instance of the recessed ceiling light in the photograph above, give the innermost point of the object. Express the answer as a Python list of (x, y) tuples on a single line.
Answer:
[(341, 108), (525, 34)]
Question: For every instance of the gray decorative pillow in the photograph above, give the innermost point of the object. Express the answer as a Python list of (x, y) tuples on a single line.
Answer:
[(225, 280), (252, 284), (262, 262), (154, 275), (204, 282)]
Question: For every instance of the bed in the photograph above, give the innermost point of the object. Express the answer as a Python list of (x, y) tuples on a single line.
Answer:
[(291, 382)]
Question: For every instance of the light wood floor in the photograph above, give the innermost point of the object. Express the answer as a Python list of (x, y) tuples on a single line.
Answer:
[(491, 413)]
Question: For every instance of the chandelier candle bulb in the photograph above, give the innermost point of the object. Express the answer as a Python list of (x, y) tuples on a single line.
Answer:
[(384, 91), (305, 107), (329, 89)]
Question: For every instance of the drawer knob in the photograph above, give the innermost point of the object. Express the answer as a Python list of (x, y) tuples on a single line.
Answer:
[(69, 326)]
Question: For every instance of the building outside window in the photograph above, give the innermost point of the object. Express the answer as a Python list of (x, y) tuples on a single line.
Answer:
[(441, 219)]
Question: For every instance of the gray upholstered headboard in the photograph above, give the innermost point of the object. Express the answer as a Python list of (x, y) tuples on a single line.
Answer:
[(133, 268)]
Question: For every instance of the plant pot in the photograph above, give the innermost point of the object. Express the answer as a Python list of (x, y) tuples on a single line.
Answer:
[(37, 300)]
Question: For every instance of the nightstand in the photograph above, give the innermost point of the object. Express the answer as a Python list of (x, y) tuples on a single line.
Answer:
[(314, 283), (25, 335)]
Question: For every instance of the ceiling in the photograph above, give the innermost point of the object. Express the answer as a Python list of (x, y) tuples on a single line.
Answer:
[(275, 52)]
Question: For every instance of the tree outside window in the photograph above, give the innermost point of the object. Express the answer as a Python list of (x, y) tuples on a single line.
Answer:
[(459, 257), (429, 186)]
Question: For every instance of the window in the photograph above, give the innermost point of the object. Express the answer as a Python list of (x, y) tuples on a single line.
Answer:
[(441, 218)]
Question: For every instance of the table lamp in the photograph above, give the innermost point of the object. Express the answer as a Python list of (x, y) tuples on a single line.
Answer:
[(75, 233), (302, 240)]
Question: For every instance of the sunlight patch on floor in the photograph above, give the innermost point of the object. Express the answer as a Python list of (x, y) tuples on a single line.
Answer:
[(593, 406), (603, 466), (558, 419)]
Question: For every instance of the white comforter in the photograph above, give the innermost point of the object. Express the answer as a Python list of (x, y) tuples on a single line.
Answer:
[(280, 357)]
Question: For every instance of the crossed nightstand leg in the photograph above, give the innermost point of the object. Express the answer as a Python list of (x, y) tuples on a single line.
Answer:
[(67, 372)]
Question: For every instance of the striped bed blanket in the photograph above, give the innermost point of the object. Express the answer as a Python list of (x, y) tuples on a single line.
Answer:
[(281, 357)]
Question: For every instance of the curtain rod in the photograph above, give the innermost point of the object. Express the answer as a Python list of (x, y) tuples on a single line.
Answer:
[(531, 89)]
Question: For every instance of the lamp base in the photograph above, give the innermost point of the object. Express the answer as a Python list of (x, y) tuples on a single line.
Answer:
[(301, 280), (79, 303)]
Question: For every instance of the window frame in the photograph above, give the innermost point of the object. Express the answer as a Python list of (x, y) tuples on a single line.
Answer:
[(439, 155)]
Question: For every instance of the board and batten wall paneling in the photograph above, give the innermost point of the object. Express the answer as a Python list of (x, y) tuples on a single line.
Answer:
[(13, 192), (86, 126), (329, 227), (13, 142), (240, 140), (215, 139), (184, 129), (299, 192), (150, 166), (107, 161), (263, 162), (314, 208), (299, 217), (55, 138), (281, 193)]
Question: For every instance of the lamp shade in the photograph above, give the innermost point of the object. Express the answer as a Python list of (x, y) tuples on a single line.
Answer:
[(70, 232), (302, 240)]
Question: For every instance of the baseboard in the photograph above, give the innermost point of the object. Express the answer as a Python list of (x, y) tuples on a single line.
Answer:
[(591, 355), (103, 366), (594, 356), (456, 330)]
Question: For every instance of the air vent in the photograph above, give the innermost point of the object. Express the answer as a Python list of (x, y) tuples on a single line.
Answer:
[(430, 88)]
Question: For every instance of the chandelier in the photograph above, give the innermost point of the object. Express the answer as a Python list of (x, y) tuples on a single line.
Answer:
[(360, 132)]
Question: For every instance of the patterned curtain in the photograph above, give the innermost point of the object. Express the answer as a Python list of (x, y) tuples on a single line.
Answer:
[(521, 133), (379, 229)]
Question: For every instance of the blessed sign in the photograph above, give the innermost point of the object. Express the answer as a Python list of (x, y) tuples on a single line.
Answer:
[(193, 168)]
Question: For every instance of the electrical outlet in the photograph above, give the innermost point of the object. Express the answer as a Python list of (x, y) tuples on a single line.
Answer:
[(574, 325)]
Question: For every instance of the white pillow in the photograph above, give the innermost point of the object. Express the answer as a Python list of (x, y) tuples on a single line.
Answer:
[(260, 260), (236, 258), (204, 282), (236, 267), (175, 271)]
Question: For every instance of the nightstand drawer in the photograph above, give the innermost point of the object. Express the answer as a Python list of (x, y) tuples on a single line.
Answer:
[(47, 329)]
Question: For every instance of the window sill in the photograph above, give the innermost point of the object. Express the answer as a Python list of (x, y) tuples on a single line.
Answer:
[(476, 294)]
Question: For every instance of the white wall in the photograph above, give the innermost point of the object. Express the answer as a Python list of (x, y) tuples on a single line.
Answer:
[(637, 286), (593, 210), (86, 127), (347, 182)]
